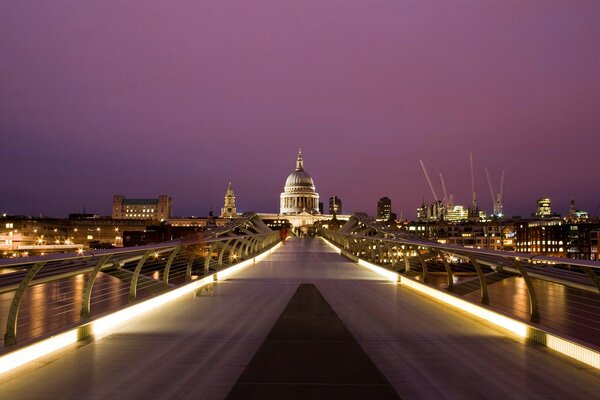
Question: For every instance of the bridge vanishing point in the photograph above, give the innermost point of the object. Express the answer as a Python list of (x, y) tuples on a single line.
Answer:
[(240, 315)]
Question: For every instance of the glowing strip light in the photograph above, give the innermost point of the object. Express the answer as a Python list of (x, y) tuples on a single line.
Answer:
[(519, 328), (16, 359), (103, 326), (334, 247), (574, 350), (386, 273)]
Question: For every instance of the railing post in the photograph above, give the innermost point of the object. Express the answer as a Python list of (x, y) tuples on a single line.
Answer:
[(136, 275), (168, 266), (423, 265), (10, 336), (190, 264), (448, 269), (232, 257), (592, 275), (484, 292), (89, 285), (208, 258), (406, 261), (222, 252), (533, 302)]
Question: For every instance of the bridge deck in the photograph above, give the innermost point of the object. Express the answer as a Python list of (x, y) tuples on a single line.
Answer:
[(198, 347)]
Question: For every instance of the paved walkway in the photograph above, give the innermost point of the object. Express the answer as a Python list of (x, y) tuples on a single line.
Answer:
[(198, 347)]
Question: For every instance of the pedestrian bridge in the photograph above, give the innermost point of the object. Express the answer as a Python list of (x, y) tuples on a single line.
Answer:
[(305, 322)]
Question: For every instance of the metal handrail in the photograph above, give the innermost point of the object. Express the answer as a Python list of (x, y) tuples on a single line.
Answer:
[(362, 236), (197, 250)]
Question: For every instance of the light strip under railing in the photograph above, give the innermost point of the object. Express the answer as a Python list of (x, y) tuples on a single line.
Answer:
[(564, 346), (105, 325)]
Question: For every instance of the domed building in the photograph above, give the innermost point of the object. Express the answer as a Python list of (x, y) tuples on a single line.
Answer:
[(299, 194)]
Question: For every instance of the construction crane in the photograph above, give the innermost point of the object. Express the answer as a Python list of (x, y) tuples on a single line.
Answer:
[(496, 196), (429, 181), (447, 199), (473, 193)]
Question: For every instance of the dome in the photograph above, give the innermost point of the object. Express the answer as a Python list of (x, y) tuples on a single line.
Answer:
[(299, 195), (299, 178)]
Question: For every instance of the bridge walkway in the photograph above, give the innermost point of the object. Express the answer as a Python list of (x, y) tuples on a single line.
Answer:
[(198, 347)]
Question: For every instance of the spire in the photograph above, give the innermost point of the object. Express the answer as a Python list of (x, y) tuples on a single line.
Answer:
[(299, 161), (229, 189)]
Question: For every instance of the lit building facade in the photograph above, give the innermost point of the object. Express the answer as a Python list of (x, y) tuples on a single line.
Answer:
[(544, 208), (159, 209), (299, 194)]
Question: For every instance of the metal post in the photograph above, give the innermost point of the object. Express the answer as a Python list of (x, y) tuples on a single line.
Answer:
[(222, 252), (423, 265), (406, 262), (533, 303), (484, 292), (590, 272), (448, 269), (232, 254), (10, 336), (168, 266), (89, 284), (207, 259), (188, 269), (136, 275)]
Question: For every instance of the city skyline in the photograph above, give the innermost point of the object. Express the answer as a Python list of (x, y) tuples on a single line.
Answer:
[(101, 99)]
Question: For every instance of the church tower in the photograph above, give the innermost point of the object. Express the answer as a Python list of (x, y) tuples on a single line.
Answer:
[(228, 210)]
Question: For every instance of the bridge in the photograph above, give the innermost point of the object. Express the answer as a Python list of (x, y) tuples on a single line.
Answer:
[(363, 312)]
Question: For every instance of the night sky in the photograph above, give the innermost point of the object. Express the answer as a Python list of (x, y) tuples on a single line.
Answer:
[(144, 98)]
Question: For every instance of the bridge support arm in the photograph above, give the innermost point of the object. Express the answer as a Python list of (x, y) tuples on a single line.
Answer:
[(188, 268), (208, 258), (10, 336), (168, 266), (89, 285), (533, 302), (423, 265), (485, 299), (136, 275), (406, 262), (590, 272), (448, 269), (222, 252)]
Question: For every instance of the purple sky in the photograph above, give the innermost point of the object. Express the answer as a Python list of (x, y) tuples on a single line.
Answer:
[(144, 98)]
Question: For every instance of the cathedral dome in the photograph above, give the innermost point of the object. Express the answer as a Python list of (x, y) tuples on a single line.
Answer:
[(299, 179), (299, 193)]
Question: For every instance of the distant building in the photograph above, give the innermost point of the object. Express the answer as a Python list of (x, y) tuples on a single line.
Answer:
[(457, 213), (299, 194), (335, 205), (384, 209), (228, 210), (559, 239), (151, 209), (576, 215), (544, 209), (430, 212)]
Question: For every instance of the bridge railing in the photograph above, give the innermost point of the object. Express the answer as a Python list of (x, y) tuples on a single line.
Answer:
[(363, 237), (141, 271)]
